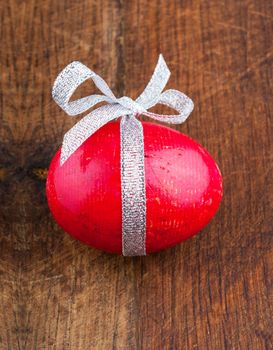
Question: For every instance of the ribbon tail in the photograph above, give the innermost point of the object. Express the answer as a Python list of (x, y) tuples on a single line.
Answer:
[(133, 191), (87, 126), (158, 81)]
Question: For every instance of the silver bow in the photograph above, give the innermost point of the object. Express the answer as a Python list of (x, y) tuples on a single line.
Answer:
[(131, 131)]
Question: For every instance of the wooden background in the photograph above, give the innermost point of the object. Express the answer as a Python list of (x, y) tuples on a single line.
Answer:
[(212, 292)]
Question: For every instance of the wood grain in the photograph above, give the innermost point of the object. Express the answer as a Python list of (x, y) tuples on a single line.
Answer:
[(213, 292)]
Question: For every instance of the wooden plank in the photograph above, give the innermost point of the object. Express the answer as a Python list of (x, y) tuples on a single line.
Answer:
[(215, 290)]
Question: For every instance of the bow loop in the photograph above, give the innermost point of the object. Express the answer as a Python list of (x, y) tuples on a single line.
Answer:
[(177, 101), (67, 82)]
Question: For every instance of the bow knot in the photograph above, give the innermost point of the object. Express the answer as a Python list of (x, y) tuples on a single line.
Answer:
[(131, 105)]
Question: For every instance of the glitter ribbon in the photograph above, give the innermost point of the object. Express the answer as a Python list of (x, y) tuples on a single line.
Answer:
[(131, 135)]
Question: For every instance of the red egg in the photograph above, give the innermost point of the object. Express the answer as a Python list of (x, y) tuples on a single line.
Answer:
[(183, 188)]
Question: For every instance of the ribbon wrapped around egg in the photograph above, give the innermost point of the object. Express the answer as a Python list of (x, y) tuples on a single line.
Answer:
[(83, 215)]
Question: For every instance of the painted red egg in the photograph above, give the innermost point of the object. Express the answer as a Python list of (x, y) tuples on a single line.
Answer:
[(183, 188)]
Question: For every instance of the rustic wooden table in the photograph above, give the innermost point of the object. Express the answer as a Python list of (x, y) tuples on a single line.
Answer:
[(212, 292)]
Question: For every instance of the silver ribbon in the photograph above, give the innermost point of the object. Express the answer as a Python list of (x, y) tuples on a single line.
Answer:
[(131, 135)]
